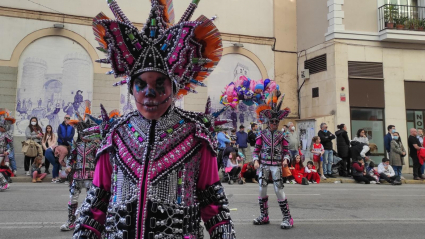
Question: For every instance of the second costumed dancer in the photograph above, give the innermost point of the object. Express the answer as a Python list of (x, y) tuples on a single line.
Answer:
[(271, 150), (156, 175)]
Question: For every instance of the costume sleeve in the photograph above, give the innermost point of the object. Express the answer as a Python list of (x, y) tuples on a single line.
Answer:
[(212, 198), (91, 222), (9, 141), (70, 162), (257, 150)]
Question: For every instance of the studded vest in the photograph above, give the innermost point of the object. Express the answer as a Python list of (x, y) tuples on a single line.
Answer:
[(155, 173), (273, 148), (83, 160), (5, 139)]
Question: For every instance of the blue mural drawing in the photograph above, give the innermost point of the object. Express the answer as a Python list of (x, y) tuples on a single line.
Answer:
[(49, 97)]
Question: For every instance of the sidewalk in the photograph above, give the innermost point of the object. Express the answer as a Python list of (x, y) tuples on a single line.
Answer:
[(22, 178)]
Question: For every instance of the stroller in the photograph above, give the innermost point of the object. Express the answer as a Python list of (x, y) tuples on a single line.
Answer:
[(226, 175)]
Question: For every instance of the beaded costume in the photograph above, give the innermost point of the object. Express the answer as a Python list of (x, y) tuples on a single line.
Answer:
[(82, 164), (271, 149), (157, 178), (6, 147)]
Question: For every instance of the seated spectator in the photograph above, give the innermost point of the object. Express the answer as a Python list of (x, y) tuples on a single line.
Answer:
[(359, 173), (233, 167), (37, 176), (297, 170), (310, 173), (373, 172), (249, 173), (387, 172)]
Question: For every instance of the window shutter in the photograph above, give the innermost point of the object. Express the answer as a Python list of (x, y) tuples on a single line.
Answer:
[(316, 64), (371, 70)]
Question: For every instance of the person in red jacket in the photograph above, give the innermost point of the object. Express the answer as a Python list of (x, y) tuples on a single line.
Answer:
[(249, 173), (310, 173), (297, 170), (359, 173)]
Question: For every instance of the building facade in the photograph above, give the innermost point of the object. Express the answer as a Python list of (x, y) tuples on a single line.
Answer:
[(48, 53), (366, 61)]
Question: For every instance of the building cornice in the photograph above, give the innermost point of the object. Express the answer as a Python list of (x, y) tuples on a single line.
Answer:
[(87, 21)]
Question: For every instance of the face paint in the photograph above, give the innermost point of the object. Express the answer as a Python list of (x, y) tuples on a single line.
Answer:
[(154, 96), (160, 87)]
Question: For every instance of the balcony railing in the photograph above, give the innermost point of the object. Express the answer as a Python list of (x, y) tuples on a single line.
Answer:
[(401, 17)]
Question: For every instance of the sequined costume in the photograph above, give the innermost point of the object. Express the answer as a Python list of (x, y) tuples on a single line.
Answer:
[(6, 147), (271, 149), (157, 178), (81, 162)]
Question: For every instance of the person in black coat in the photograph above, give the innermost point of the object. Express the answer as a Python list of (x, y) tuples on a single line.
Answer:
[(343, 147)]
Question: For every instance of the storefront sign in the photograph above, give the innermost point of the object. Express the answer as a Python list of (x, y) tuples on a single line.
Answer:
[(419, 120)]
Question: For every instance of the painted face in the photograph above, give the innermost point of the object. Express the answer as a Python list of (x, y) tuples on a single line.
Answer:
[(2, 129), (152, 92), (274, 123)]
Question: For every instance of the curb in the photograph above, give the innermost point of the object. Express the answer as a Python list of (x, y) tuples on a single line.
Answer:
[(28, 179)]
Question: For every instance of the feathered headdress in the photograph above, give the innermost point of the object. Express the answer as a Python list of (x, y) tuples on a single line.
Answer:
[(80, 124), (5, 119), (272, 110), (187, 52)]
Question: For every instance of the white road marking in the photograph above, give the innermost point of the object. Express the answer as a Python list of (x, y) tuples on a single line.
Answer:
[(272, 194)]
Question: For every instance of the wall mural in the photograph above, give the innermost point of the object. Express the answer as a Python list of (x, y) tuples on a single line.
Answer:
[(55, 78), (230, 68)]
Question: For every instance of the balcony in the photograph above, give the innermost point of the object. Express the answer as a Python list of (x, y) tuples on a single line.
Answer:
[(401, 23)]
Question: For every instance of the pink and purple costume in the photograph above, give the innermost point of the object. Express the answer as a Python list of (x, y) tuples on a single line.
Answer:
[(157, 178)]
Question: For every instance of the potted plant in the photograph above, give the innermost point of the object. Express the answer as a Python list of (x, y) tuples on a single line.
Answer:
[(408, 24), (421, 25), (399, 22), (390, 12), (416, 23)]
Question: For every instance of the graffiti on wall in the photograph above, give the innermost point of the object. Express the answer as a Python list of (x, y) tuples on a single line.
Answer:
[(55, 78)]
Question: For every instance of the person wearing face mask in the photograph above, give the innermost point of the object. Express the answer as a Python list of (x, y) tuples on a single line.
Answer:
[(388, 137), (270, 154), (294, 142), (33, 132), (397, 154), (156, 174), (326, 138), (387, 173)]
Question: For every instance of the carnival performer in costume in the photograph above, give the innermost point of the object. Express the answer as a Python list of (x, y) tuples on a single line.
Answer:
[(271, 151), (6, 147), (156, 175), (80, 165)]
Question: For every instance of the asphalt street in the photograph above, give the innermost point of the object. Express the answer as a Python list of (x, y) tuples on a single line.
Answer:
[(321, 211)]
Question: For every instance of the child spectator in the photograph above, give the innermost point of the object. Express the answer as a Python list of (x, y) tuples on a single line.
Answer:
[(249, 173), (297, 170), (37, 176), (387, 172), (310, 173), (371, 171), (359, 173), (317, 150), (233, 167)]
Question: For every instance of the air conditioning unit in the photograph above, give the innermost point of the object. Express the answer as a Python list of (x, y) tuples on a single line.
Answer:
[(305, 74)]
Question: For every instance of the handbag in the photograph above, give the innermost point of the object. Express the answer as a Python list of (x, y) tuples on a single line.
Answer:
[(286, 172), (30, 148)]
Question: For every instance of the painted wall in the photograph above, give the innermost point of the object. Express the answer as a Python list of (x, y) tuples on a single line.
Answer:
[(312, 23), (55, 77), (360, 15), (234, 16)]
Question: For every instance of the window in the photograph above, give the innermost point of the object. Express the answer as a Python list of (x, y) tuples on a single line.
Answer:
[(315, 92), (372, 121), (407, 8)]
